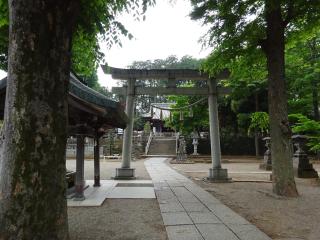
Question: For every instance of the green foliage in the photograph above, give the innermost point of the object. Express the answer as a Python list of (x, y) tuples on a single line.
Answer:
[(4, 33), (96, 19), (147, 127), (199, 120), (139, 123), (171, 62), (303, 125), (259, 121), (238, 27), (238, 34), (86, 54), (303, 74), (243, 121)]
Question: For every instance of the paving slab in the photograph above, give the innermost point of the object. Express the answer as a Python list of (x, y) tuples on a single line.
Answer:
[(194, 207), (189, 199), (176, 218), (171, 207), (94, 196), (165, 195), (183, 232), (132, 192), (203, 217), (248, 232), (226, 215), (216, 232), (189, 212)]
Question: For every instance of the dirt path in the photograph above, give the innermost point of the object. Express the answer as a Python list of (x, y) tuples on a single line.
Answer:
[(280, 218)]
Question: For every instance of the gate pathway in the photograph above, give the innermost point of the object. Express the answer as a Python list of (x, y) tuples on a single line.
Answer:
[(191, 213)]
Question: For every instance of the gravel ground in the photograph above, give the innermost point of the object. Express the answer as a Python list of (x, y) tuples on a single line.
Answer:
[(116, 219), (280, 218)]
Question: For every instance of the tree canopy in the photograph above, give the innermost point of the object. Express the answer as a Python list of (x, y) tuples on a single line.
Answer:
[(96, 22), (246, 28)]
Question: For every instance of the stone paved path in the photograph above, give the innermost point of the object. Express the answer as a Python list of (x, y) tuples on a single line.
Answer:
[(191, 213)]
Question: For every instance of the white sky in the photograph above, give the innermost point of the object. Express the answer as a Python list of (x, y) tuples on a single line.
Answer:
[(166, 31)]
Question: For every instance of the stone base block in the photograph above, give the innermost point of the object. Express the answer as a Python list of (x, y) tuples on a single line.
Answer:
[(78, 197), (306, 173), (218, 175), (265, 166), (79, 192), (96, 181), (125, 173)]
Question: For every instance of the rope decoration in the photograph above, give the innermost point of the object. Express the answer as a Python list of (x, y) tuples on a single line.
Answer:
[(180, 109)]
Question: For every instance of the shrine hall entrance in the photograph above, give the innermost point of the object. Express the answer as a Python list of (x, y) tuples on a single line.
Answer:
[(130, 91)]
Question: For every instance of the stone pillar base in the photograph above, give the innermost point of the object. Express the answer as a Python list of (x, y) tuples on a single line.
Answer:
[(218, 175), (96, 181), (306, 173), (125, 173), (78, 197), (265, 166), (79, 192)]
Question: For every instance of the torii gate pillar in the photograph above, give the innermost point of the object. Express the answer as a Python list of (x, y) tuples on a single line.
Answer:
[(126, 172), (216, 173)]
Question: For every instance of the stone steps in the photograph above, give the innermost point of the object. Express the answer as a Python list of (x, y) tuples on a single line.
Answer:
[(162, 146)]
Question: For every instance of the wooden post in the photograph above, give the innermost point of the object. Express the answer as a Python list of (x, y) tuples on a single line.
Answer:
[(97, 161), (79, 196)]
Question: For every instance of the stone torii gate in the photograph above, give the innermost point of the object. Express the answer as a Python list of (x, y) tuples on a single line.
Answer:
[(216, 173)]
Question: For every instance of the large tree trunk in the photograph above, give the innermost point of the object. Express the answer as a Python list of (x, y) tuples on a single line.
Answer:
[(315, 100), (314, 54), (256, 134), (282, 166), (32, 170)]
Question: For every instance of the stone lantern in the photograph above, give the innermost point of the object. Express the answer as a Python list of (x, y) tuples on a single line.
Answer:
[(267, 160), (301, 165), (195, 142)]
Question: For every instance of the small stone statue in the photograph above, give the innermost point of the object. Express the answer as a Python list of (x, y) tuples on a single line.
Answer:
[(182, 152), (267, 160)]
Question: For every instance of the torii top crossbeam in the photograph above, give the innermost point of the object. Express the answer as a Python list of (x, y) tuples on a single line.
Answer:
[(142, 74), (172, 75)]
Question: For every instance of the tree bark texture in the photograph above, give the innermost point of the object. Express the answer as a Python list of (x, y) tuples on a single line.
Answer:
[(32, 170), (282, 166), (315, 100), (314, 53), (256, 134)]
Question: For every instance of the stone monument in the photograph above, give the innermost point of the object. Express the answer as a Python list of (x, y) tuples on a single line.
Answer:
[(267, 160), (301, 165), (182, 152)]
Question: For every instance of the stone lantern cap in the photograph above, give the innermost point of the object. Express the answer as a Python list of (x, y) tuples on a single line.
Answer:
[(266, 138), (299, 137), (195, 134)]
